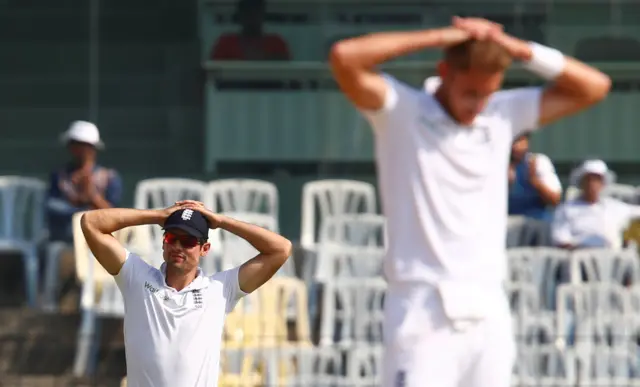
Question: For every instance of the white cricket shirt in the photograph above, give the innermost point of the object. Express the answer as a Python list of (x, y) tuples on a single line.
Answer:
[(444, 186), (173, 338)]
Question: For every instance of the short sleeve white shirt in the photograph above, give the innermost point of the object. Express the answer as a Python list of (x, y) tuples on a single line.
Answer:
[(173, 338), (547, 173), (598, 225), (443, 185)]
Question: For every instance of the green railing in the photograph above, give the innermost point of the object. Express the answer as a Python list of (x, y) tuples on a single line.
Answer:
[(308, 119)]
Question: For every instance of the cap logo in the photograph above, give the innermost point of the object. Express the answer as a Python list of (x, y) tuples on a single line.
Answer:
[(186, 214)]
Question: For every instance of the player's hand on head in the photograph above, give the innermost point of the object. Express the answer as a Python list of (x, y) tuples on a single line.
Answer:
[(483, 29), (517, 48), (192, 204), (213, 218), (478, 28), (170, 210)]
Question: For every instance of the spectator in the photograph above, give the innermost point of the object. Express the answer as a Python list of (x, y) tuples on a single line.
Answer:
[(82, 184), (592, 220), (534, 187), (251, 43)]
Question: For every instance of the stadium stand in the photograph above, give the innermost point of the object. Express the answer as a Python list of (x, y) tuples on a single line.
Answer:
[(245, 151)]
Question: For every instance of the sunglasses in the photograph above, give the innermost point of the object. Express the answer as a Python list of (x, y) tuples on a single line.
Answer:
[(186, 241)]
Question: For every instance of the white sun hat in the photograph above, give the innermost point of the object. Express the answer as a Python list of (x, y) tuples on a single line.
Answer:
[(83, 131), (593, 167)]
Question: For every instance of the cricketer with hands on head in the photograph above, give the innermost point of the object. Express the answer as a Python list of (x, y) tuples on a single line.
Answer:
[(441, 159), (174, 315)]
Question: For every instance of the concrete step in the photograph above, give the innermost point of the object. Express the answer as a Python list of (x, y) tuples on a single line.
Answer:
[(55, 381), (41, 347)]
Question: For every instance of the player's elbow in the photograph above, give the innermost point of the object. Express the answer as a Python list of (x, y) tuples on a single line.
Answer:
[(284, 249), (599, 88), (281, 252), (341, 55), (85, 223)]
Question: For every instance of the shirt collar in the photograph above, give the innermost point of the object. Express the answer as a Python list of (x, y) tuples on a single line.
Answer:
[(437, 112), (200, 282)]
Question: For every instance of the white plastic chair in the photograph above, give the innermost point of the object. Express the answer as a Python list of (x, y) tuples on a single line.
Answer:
[(344, 261), (367, 231), (354, 230), (235, 250), (242, 195), (364, 366), (22, 226), (323, 198), (580, 305), (162, 193), (524, 300), (285, 366), (545, 366), (605, 265), (352, 312), (634, 300), (611, 357), (526, 232), (539, 266), (100, 297)]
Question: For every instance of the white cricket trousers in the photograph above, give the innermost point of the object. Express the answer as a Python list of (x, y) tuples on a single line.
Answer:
[(425, 347)]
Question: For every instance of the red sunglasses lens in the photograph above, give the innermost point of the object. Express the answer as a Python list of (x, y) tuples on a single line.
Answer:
[(186, 241)]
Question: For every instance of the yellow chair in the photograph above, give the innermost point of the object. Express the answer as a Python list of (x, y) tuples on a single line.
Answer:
[(127, 237), (632, 233), (83, 257), (275, 299), (259, 325), (263, 320), (251, 329), (248, 375)]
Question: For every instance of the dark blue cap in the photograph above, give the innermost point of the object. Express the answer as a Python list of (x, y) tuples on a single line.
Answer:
[(190, 221)]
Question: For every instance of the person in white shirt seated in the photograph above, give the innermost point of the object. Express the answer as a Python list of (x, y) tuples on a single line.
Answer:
[(534, 186), (592, 220)]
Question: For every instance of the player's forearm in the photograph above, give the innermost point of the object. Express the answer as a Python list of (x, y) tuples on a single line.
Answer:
[(109, 220), (583, 81), (370, 50), (265, 241), (576, 78)]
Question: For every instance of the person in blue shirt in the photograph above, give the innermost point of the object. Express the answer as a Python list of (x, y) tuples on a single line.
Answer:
[(82, 184), (534, 187)]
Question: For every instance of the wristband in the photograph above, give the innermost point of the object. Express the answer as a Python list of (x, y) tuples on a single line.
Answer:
[(545, 61)]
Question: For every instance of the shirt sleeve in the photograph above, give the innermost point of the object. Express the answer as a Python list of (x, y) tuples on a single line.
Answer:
[(130, 273), (231, 288), (547, 173), (521, 107), (560, 227), (400, 99)]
